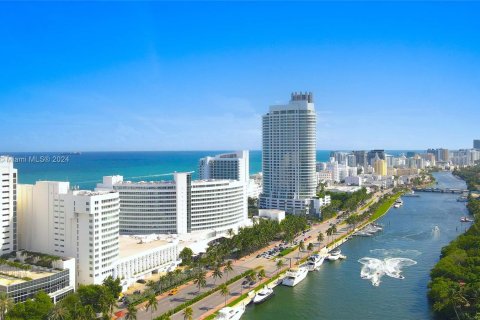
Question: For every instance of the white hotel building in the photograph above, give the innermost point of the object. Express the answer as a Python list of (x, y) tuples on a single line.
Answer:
[(8, 205), (289, 155), (179, 206), (85, 225)]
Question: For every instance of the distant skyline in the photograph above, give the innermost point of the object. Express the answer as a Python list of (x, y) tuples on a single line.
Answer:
[(131, 76)]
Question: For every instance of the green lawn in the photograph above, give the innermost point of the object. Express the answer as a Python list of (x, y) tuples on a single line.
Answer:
[(385, 206)]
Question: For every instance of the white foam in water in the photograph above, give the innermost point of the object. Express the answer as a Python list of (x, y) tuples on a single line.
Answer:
[(374, 269), (389, 253)]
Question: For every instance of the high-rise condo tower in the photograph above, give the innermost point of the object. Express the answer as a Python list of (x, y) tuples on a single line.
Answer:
[(289, 155)]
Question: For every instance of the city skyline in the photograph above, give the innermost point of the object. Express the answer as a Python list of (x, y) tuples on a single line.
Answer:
[(163, 76)]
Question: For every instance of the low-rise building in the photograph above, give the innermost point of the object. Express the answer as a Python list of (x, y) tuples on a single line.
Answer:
[(272, 214), (31, 273)]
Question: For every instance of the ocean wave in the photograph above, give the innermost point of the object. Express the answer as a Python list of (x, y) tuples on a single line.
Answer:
[(374, 269)]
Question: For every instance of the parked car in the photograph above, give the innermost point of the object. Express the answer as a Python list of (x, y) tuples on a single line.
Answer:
[(142, 281), (173, 292)]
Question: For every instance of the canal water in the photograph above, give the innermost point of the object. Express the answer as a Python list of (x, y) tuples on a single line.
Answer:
[(395, 265)]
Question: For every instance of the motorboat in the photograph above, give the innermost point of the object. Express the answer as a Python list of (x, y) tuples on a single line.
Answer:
[(465, 219), (263, 295), (294, 276), (362, 233), (314, 262), (231, 313), (397, 205), (335, 255)]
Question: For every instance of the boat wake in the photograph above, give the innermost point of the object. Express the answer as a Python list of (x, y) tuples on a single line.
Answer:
[(374, 269), (390, 253)]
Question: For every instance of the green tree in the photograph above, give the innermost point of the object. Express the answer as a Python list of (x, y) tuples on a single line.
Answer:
[(152, 304), (113, 286), (228, 268), (261, 274), (279, 265), (224, 292), (217, 273), (58, 312), (6, 303), (37, 308), (131, 312), (310, 246), (301, 247), (186, 255), (188, 313), (200, 279), (320, 237)]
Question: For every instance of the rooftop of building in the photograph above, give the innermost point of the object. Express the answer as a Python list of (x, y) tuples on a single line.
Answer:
[(36, 266), (131, 245)]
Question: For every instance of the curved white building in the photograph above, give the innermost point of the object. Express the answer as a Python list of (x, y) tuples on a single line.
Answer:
[(179, 206), (217, 204)]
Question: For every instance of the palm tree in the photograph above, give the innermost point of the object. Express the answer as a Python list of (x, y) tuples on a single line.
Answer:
[(200, 280), (301, 247), (280, 264), (152, 285), (6, 303), (224, 292), (320, 237), (228, 268), (152, 304), (310, 246), (261, 274), (131, 312), (251, 277), (108, 303), (329, 231), (58, 312), (217, 273), (188, 313)]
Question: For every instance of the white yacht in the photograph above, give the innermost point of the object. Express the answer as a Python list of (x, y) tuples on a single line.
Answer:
[(231, 313), (314, 262), (294, 276), (334, 255), (263, 295)]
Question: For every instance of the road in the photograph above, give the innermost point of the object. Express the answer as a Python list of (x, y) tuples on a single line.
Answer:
[(216, 300)]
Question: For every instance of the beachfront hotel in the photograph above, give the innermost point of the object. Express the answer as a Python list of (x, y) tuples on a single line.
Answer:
[(230, 166), (180, 206), (84, 225), (289, 155), (8, 205)]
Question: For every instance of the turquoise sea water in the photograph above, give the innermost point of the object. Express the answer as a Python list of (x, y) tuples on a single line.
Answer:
[(88, 168), (417, 231)]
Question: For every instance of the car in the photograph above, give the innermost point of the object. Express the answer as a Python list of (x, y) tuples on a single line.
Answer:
[(244, 282), (136, 292), (173, 292), (258, 256), (251, 283), (141, 281)]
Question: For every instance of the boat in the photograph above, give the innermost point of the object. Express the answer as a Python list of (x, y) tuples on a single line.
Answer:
[(314, 262), (362, 233), (397, 205), (335, 255), (263, 295), (231, 313), (294, 276), (465, 219)]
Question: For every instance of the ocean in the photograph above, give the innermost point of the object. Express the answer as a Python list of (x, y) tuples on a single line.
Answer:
[(85, 170)]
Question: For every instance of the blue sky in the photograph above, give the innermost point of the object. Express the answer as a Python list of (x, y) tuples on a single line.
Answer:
[(198, 76)]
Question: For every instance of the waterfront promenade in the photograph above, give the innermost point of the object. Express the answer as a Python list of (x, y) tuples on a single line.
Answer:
[(215, 301)]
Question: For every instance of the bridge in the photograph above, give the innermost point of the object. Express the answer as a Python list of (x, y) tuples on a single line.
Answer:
[(440, 190)]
